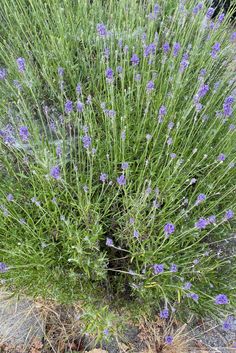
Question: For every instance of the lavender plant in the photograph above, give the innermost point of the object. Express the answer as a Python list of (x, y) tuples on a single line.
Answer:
[(117, 150)]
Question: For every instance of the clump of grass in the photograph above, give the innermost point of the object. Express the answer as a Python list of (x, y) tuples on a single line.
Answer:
[(117, 156)]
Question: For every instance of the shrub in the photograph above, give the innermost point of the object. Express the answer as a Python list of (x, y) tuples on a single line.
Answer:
[(118, 155)]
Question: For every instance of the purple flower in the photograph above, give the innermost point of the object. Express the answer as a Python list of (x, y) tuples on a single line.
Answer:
[(176, 49), (227, 326), (227, 106), (228, 323), (101, 30), (221, 17), (60, 71), (34, 200), (106, 332), (55, 172), (124, 165), (149, 49), (137, 77), (103, 177), (199, 107), (21, 64), (10, 197), (171, 125), (109, 74), (228, 111), (162, 111), (193, 181), (123, 135), (86, 141), (80, 106), (169, 339), (221, 299), (212, 219), (229, 100), (203, 91), (164, 314), (233, 37), (158, 268), (136, 234), (201, 223), (221, 157), (169, 141), (184, 62), (109, 242), (166, 47), (173, 155), (210, 12), (215, 50), (150, 86), (169, 228), (229, 214), (3, 267), (111, 113), (203, 72), (121, 180), (200, 198), (197, 8), (79, 89), (173, 268), (134, 60), (3, 73), (68, 106), (24, 133), (187, 286), (194, 296), (131, 220)]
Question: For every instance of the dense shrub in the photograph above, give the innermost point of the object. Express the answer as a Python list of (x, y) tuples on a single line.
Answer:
[(118, 155)]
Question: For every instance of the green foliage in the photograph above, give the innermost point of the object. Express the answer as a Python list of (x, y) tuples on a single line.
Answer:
[(53, 234)]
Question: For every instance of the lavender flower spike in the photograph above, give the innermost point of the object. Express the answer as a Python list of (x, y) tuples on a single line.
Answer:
[(24, 133), (55, 172), (21, 64), (221, 299), (169, 228), (121, 180)]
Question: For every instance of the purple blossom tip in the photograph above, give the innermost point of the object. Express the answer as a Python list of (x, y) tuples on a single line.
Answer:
[(55, 172), (201, 223), (221, 299), (169, 228), (24, 133), (10, 197), (101, 30), (164, 314), (121, 180), (3, 267), (21, 64), (158, 268), (3, 73), (109, 242), (68, 106), (103, 177), (134, 60), (169, 339)]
